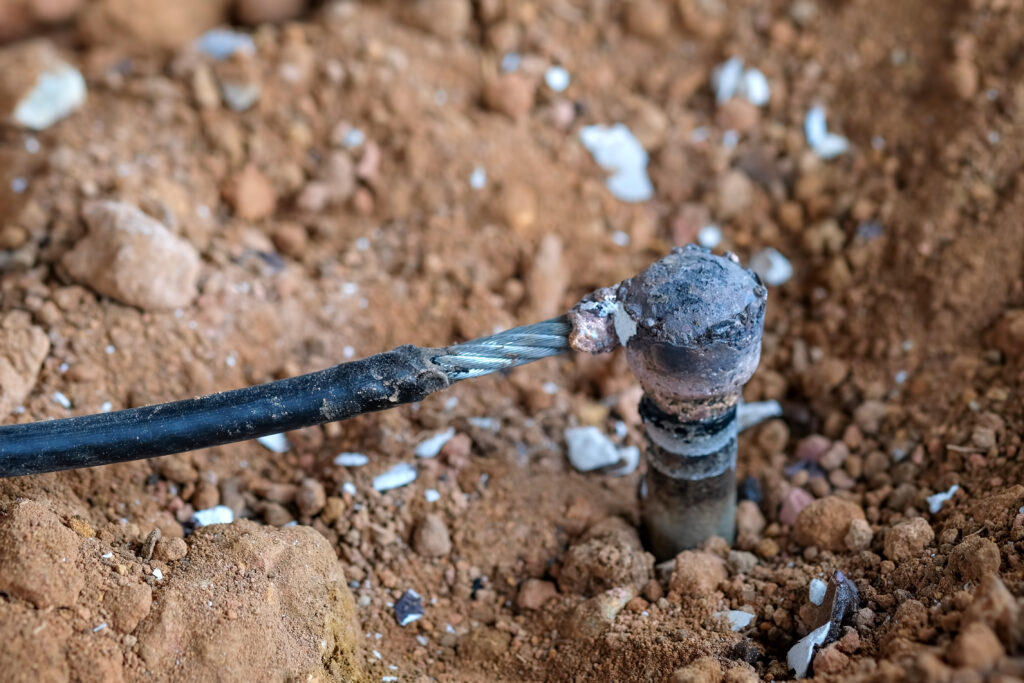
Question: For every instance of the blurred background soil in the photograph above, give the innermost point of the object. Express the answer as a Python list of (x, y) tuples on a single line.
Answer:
[(367, 174)]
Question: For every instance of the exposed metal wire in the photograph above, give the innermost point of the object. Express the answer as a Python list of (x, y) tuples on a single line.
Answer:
[(505, 350)]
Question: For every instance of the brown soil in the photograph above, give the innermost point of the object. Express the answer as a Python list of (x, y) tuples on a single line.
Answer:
[(896, 344)]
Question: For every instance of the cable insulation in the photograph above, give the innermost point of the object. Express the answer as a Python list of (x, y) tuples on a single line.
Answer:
[(403, 375)]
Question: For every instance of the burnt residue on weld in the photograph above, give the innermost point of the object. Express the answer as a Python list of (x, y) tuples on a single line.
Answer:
[(593, 325), (685, 429), (694, 298)]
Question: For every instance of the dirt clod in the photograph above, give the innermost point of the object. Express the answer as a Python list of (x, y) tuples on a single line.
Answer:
[(133, 258), (908, 539), (38, 556), (697, 573), (825, 523), (431, 538)]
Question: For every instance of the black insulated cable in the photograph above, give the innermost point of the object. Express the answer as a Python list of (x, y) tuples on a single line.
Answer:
[(403, 375)]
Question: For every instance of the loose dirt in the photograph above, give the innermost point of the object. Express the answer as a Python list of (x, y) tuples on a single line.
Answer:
[(372, 174)]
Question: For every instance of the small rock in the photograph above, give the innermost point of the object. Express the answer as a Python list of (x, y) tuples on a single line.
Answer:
[(351, 459), (557, 78), (268, 11), (973, 558), (977, 647), (431, 538), (868, 416), (741, 561), (400, 475), (147, 26), (131, 257), (408, 608), (334, 508), (735, 193), (207, 495), (23, 348), (834, 457), (697, 573), (650, 19), (908, 539), (591, 618), (755, 412), (774, 268), (935, 501), (963, 76), (221, 44), (749, 524), (250, 194), (291, 239), (737, 115), (616, 149), (795, 501), (170, 549), (221, 514), (701, 670), (830, 660), (275, 443), (738, 619), (311, 497), (276, 514), (430, 447), (511, 94), (800, 655), (534, 593), (859, 535), (825, 144), (609, 554), (589, 449), (37, 87), (812, 448), (825, 523), (448, 19), (816, 591), (240, 81), (1008, 335)]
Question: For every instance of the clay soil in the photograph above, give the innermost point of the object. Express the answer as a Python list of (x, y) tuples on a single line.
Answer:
[(896, 348)]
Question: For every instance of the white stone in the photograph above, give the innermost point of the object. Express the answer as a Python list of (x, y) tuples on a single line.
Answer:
[(616, 149), (725, 79), (825, 144), (557, 78), (400, 475), (800, 655), (221, 43), (774, 268), (935, 501), (816, 591), (350, 460), (755, 87), (219, 514), (58, 91), (478, 178), (738, 619), (277, 443), (750, 414), (709, 237), (590, 449), (429, 448)]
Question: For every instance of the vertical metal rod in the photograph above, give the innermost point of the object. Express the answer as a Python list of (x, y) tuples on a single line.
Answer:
[(691, 325)]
